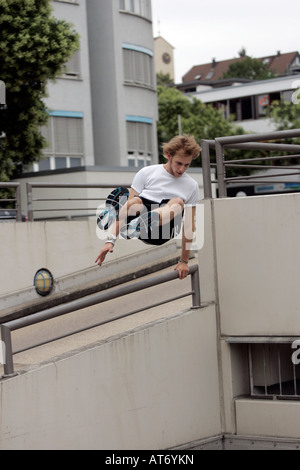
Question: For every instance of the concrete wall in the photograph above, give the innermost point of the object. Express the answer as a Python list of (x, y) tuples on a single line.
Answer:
[(68, 250), (177, 379), (250, 269), (64, 247), (252, 264), (258, 265), (155, 387)]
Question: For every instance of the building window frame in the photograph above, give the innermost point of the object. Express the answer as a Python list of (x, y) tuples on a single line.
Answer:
[(139, 141), (140, 8), (138, 66), (59, 132), (73, 67)]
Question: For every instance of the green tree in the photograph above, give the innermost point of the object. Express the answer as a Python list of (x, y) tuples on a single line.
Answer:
[(164, 79), (196, 118), (34, 46), (285, 115), (253, 69)]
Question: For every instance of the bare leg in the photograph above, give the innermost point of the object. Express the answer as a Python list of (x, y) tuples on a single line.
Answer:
[(133, 207), (170, 210)]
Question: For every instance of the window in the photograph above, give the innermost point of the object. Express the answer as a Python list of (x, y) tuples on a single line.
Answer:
[(264, 101), (246, 108), (74, 161), (44, 164), (137, 7), (60, 162), (138, 67), (210, 75), (266, 368), (139, 143), (272, 371), (73, 66), (64, 135), (76, 2), (239, 109)]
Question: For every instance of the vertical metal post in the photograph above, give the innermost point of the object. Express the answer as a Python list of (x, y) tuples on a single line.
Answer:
[(179, 125), (8, 359), (279, 369), (220, 169), (29, 202), (250, 369), (295, 380), (18, 204), (206, 169), (195, 283), (265, 370)]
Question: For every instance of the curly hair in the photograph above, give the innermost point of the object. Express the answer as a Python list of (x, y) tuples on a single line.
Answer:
[(185, 142)]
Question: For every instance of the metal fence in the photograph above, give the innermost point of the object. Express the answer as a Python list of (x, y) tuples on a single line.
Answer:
[(272, 365), (16, 200), (247, 142), (279, 374), (8, 327), (85, 209)]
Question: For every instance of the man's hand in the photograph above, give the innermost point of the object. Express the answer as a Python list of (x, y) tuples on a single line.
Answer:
[(108, 247), (182, 269)]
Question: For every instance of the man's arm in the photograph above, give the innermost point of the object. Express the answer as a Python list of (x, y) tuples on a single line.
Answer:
[(187, 239), (115, 230)]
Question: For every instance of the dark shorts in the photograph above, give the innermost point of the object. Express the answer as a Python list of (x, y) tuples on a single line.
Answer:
[(163, 233)]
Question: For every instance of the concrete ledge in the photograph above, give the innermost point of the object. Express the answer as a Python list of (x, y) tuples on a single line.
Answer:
[(273, 418), (89, 281), (238, 442)]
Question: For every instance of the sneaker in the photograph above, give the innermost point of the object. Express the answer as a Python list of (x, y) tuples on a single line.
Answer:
[(140, 226), (148, 223), (131, 230), (106, 218)]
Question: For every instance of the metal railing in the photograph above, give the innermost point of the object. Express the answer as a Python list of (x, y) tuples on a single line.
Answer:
[(247, 142), (16, 200), (31, 200), (8, 327), (273, 371)]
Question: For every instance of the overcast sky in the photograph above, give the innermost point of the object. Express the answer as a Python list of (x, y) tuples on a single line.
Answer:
[(202, 30)]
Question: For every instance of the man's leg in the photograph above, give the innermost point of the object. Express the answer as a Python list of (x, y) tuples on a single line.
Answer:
[(132, 209), (170, 210), (157, 224)]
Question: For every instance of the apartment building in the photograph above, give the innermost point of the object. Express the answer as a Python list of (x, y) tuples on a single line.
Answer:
[(103, 110), (69, 102), (242, 100)]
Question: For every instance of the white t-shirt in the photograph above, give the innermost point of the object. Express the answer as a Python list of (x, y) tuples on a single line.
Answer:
[(154, 182)]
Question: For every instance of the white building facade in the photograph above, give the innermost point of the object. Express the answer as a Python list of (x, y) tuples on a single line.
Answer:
[(123, 82), (103, 110)]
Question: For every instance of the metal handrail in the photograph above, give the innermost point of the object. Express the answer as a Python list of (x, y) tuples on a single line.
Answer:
[(31, 200), (8, 327), (246, 142), (16, 200)]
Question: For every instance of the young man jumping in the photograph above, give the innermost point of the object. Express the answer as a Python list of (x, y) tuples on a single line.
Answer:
[(158, 197)]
